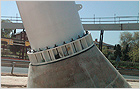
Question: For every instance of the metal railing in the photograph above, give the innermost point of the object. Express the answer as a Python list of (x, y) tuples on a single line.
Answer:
[(11, 19), (18, 63), (14, 63), (94, 20), (111, 20)]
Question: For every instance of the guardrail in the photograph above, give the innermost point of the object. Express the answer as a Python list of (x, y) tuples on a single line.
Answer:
[(111, 20), (14, 63), (94, 20), (11, 19)]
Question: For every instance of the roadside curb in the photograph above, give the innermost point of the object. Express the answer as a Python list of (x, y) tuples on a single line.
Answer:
[(8, 85), (132, 80)]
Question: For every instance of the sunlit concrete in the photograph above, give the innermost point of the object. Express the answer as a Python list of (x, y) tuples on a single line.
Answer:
[(88, 69), (90, 27)]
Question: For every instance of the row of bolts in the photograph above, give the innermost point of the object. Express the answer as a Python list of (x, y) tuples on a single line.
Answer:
[(56, 45)]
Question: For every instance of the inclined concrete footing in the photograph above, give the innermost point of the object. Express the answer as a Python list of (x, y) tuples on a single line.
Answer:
[(85, 70)]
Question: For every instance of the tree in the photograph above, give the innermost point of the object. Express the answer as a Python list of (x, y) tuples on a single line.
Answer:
[(131, 39), (6, 32), (135, 39), (134, 54), (115, 47), (125, 38), (130, 46), (134, 51), (105, 51), (125, 51), (117, 51), (111, 56)]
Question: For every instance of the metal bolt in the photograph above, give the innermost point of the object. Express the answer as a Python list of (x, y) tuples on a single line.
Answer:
[(79, 36), (40, 49), (55, 45), (64, 42), (72, 39), (86, 32)]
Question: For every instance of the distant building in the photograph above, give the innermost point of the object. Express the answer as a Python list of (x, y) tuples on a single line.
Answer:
[(109, 46)]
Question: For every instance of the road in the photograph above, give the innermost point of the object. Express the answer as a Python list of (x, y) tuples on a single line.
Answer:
[(16, 70), (25, 71), (131, 77)]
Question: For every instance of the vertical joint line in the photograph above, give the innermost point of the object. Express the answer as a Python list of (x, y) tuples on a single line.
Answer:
[(36, 57), (74, 47), (66, 49), (121, 26), (57, 51), (42, 57), (81, 44), (49, 55)]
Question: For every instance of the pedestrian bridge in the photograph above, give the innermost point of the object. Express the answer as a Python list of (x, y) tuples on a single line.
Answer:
[(99, 23)]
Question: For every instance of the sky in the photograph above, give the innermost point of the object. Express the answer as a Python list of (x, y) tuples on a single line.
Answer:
[(91, 8)]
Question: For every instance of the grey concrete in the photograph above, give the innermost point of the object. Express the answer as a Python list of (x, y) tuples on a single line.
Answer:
[(21, 82), (111, 27), (88, 69), (108, 27), (25, 71), (12, 25)]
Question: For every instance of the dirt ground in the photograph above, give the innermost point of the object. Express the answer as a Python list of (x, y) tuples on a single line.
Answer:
[(20, 81)]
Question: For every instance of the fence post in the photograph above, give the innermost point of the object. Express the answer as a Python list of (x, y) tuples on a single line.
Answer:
[(115, 18), (119, 19), (13, 64), (94, 18), (99, 20), (16, 17), (101, 40), (138, 18)]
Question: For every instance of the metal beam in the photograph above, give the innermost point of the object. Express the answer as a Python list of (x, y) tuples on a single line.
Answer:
[(90, 27), (101, 40), (12, 26), (111, 27), (18, 63)]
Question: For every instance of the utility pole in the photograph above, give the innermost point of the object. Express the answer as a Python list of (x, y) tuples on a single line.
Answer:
[(101, 40)]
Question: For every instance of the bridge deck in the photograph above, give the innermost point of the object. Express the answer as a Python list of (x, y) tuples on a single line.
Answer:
[(109, 27), (96, 23)]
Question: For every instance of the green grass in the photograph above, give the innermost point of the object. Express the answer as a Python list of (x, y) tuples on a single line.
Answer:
[(125, 64)]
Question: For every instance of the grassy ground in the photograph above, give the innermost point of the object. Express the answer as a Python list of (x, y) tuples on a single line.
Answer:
[(125, 65)]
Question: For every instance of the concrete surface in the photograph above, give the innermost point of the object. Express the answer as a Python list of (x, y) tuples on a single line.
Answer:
[(9, 81), (88, 69), (134, 84), (89, 27), (25, 71), (59, 22), (13, 82)]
